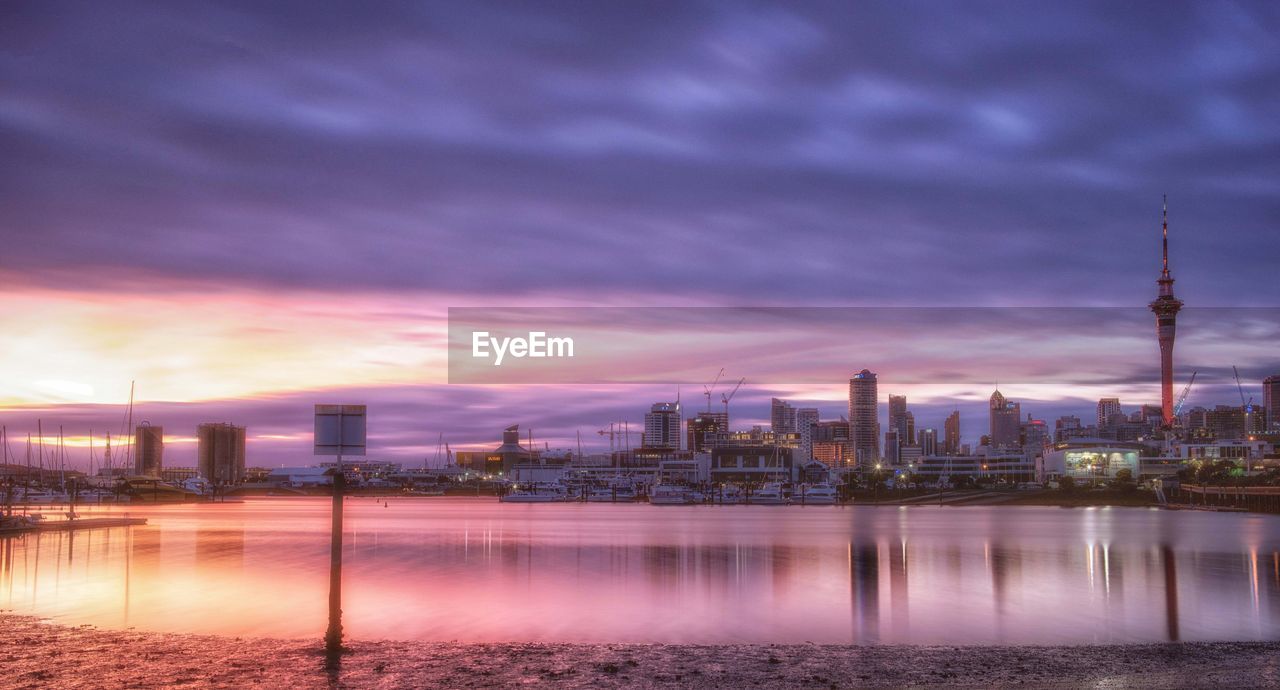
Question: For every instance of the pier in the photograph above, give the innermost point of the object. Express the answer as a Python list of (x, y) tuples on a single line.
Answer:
[(68, 525)]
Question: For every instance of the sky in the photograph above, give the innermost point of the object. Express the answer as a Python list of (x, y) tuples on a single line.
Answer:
[(248, 209)]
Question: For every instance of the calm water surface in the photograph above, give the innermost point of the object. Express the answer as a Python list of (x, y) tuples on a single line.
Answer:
[(474, 569)]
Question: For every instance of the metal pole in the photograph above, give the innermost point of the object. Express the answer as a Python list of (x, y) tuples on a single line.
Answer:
[(333, 637)]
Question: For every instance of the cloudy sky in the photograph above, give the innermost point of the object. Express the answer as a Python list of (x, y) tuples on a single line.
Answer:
[(248, 209)]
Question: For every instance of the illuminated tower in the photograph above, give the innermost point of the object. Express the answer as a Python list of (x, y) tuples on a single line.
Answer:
[(1166, 308)]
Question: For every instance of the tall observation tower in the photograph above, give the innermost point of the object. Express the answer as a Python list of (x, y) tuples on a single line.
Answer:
[(1166, 308)]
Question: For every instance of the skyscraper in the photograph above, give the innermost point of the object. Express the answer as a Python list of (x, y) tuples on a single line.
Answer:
[(1271, 399), (1108, 408), (220, 452), (148, 450), (928, 442), (807, 419), (864, 421), (1006, 423), (901, 420), (951, 434), (662, 426), (1166, 307)]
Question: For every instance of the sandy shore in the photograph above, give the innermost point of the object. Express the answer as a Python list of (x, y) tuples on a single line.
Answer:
[(38, 654)]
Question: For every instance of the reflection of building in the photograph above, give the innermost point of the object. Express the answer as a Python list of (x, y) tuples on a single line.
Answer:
[(220, 452), (148, 450), (1006, 423), (864, 422), (662, 426)]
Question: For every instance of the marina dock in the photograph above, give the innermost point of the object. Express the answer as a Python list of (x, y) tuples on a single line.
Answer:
[(68, 525)]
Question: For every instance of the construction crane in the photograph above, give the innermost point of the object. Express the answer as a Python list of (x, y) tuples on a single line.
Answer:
[(1182, 398), (1247, 407), (707, 388), (726, 397)]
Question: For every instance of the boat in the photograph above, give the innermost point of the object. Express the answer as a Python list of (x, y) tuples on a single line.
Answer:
[(768, 495), (612, 494), (43, 497), (817, 495), (535, 495), (670, 495)]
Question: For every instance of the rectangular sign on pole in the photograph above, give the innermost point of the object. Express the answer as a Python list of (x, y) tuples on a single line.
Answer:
[(340, 430)]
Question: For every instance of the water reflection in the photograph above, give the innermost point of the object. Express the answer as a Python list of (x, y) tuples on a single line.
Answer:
[(445, 569)]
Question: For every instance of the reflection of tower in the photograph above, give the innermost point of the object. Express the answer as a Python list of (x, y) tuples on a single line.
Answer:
[(864, 578), (1166, 307)]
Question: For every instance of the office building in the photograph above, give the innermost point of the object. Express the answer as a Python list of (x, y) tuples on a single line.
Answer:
[(1270, 402), (1006, 423), (706, 430), (782, 416), (662, 426), (864, 421), (951, 434), (220, 452), (1109, 412), (806, 419), (929, 441), (148, 450)]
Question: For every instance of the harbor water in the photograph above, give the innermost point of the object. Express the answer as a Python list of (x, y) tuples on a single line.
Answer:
[(472, 569)]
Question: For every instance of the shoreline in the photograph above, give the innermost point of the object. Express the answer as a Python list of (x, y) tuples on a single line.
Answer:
[(43, 654)]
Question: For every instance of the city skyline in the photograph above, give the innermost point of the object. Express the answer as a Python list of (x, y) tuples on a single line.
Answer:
[(266, 229)]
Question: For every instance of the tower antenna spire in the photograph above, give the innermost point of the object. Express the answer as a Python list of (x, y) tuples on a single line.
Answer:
[(1165, 235)]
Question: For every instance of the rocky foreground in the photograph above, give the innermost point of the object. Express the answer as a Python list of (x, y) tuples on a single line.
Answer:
[(39, 654)]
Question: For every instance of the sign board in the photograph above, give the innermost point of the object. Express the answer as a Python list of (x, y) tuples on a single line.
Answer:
[(340, 430)]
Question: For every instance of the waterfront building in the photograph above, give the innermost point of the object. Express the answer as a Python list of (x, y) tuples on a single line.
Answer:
[(951, 434), (148, 450), (1166, 308), (1006, 421), (502, 459), (1237, 450), (929, 441), (662, 426), (1004, 468), (220, 452), (864, 420), (755, 464)]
